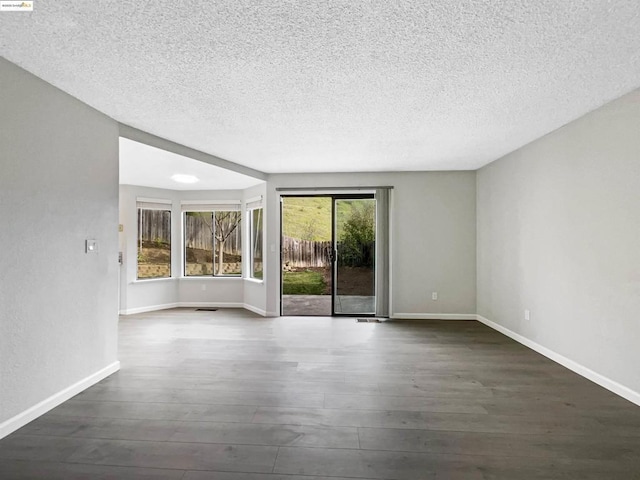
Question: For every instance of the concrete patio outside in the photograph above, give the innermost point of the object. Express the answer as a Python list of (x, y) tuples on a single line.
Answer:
[(320, 305)]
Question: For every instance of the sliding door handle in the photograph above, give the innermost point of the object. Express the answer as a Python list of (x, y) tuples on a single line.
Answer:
[(331, 254)]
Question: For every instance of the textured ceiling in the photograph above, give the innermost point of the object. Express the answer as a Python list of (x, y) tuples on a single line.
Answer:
[(306, 86), (148, 166)]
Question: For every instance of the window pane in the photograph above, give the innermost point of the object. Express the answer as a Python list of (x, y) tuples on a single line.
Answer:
[(154, 243), (213, 243), (256, 243), (228, 243), (198, 243)]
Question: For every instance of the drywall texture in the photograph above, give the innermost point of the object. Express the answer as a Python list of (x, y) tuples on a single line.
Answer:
[(58, 187), (137, 295), (211, 291), (433, 237), (336, 86), (558, 234)]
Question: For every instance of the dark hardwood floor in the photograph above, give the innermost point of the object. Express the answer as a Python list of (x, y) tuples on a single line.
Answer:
[(228, 395)]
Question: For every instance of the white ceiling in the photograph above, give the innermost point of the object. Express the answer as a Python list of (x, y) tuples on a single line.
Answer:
[(148, 166), (341, 85)]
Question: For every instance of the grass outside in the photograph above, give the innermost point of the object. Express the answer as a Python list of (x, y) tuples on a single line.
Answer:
[(306, 282), (309, 218)]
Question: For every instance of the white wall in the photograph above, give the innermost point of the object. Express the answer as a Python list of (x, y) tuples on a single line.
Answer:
[(433, 238), (58, 305), (559, 235), (144, 295)]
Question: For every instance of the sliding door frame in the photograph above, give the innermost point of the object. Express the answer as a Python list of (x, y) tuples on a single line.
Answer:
[(334, 246), (382, 195), (306, 195)]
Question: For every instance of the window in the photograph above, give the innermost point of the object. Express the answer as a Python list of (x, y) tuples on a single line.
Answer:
[(154, 239), (255, 236), (212, 242)]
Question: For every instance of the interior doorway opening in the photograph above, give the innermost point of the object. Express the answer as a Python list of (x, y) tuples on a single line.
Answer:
[(328, 255)]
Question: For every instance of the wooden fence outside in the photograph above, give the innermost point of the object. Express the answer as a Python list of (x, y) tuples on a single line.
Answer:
[(198, 235), (298, 253), (155, 227), (305, 253)]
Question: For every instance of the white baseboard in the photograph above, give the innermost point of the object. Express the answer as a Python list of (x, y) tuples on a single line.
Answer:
[(9, 426), (148, 308), (210, 304), (595, 377), (154, 308), (253, 309), (433, 316)]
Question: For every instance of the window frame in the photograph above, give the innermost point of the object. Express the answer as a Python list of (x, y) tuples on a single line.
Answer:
[(150, 205), (212, 211), (251, 235)]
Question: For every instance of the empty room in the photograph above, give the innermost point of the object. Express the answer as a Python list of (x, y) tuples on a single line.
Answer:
[(284, 240)]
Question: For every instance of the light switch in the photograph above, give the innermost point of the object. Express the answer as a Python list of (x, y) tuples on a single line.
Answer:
[(91, 245)]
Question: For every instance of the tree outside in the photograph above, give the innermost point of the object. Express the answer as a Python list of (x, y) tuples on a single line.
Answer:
[(357, 235), (207, 237), (226, 224)]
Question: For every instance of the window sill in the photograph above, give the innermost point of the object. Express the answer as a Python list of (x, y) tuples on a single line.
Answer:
[(254, 280), (150, 280), (210, 277)]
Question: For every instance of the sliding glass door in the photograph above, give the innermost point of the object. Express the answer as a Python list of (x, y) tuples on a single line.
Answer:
[(354, 239), (334, 254)]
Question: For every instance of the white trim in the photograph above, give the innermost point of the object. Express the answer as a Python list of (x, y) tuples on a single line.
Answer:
[(259, 198), (210, 202), (210, 206), (211, 304), (166, 306), (589, 374), (208, 278), (254, 280), (253, 309), (150, 280), (9, 426), (148, 308), (153, 200), (433, 316)]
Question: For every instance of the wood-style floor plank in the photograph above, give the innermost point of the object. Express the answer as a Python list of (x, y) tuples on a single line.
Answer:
[(228, 395)]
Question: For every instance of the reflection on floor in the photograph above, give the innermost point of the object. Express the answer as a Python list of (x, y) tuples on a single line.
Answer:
[(320, 305), (229, 395)]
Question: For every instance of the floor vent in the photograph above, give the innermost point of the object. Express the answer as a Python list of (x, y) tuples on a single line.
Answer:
[(367, 320), (206, 309)]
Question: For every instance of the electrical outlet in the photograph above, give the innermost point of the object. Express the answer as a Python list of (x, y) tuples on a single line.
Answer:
[(527, 315), (434, 295)]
